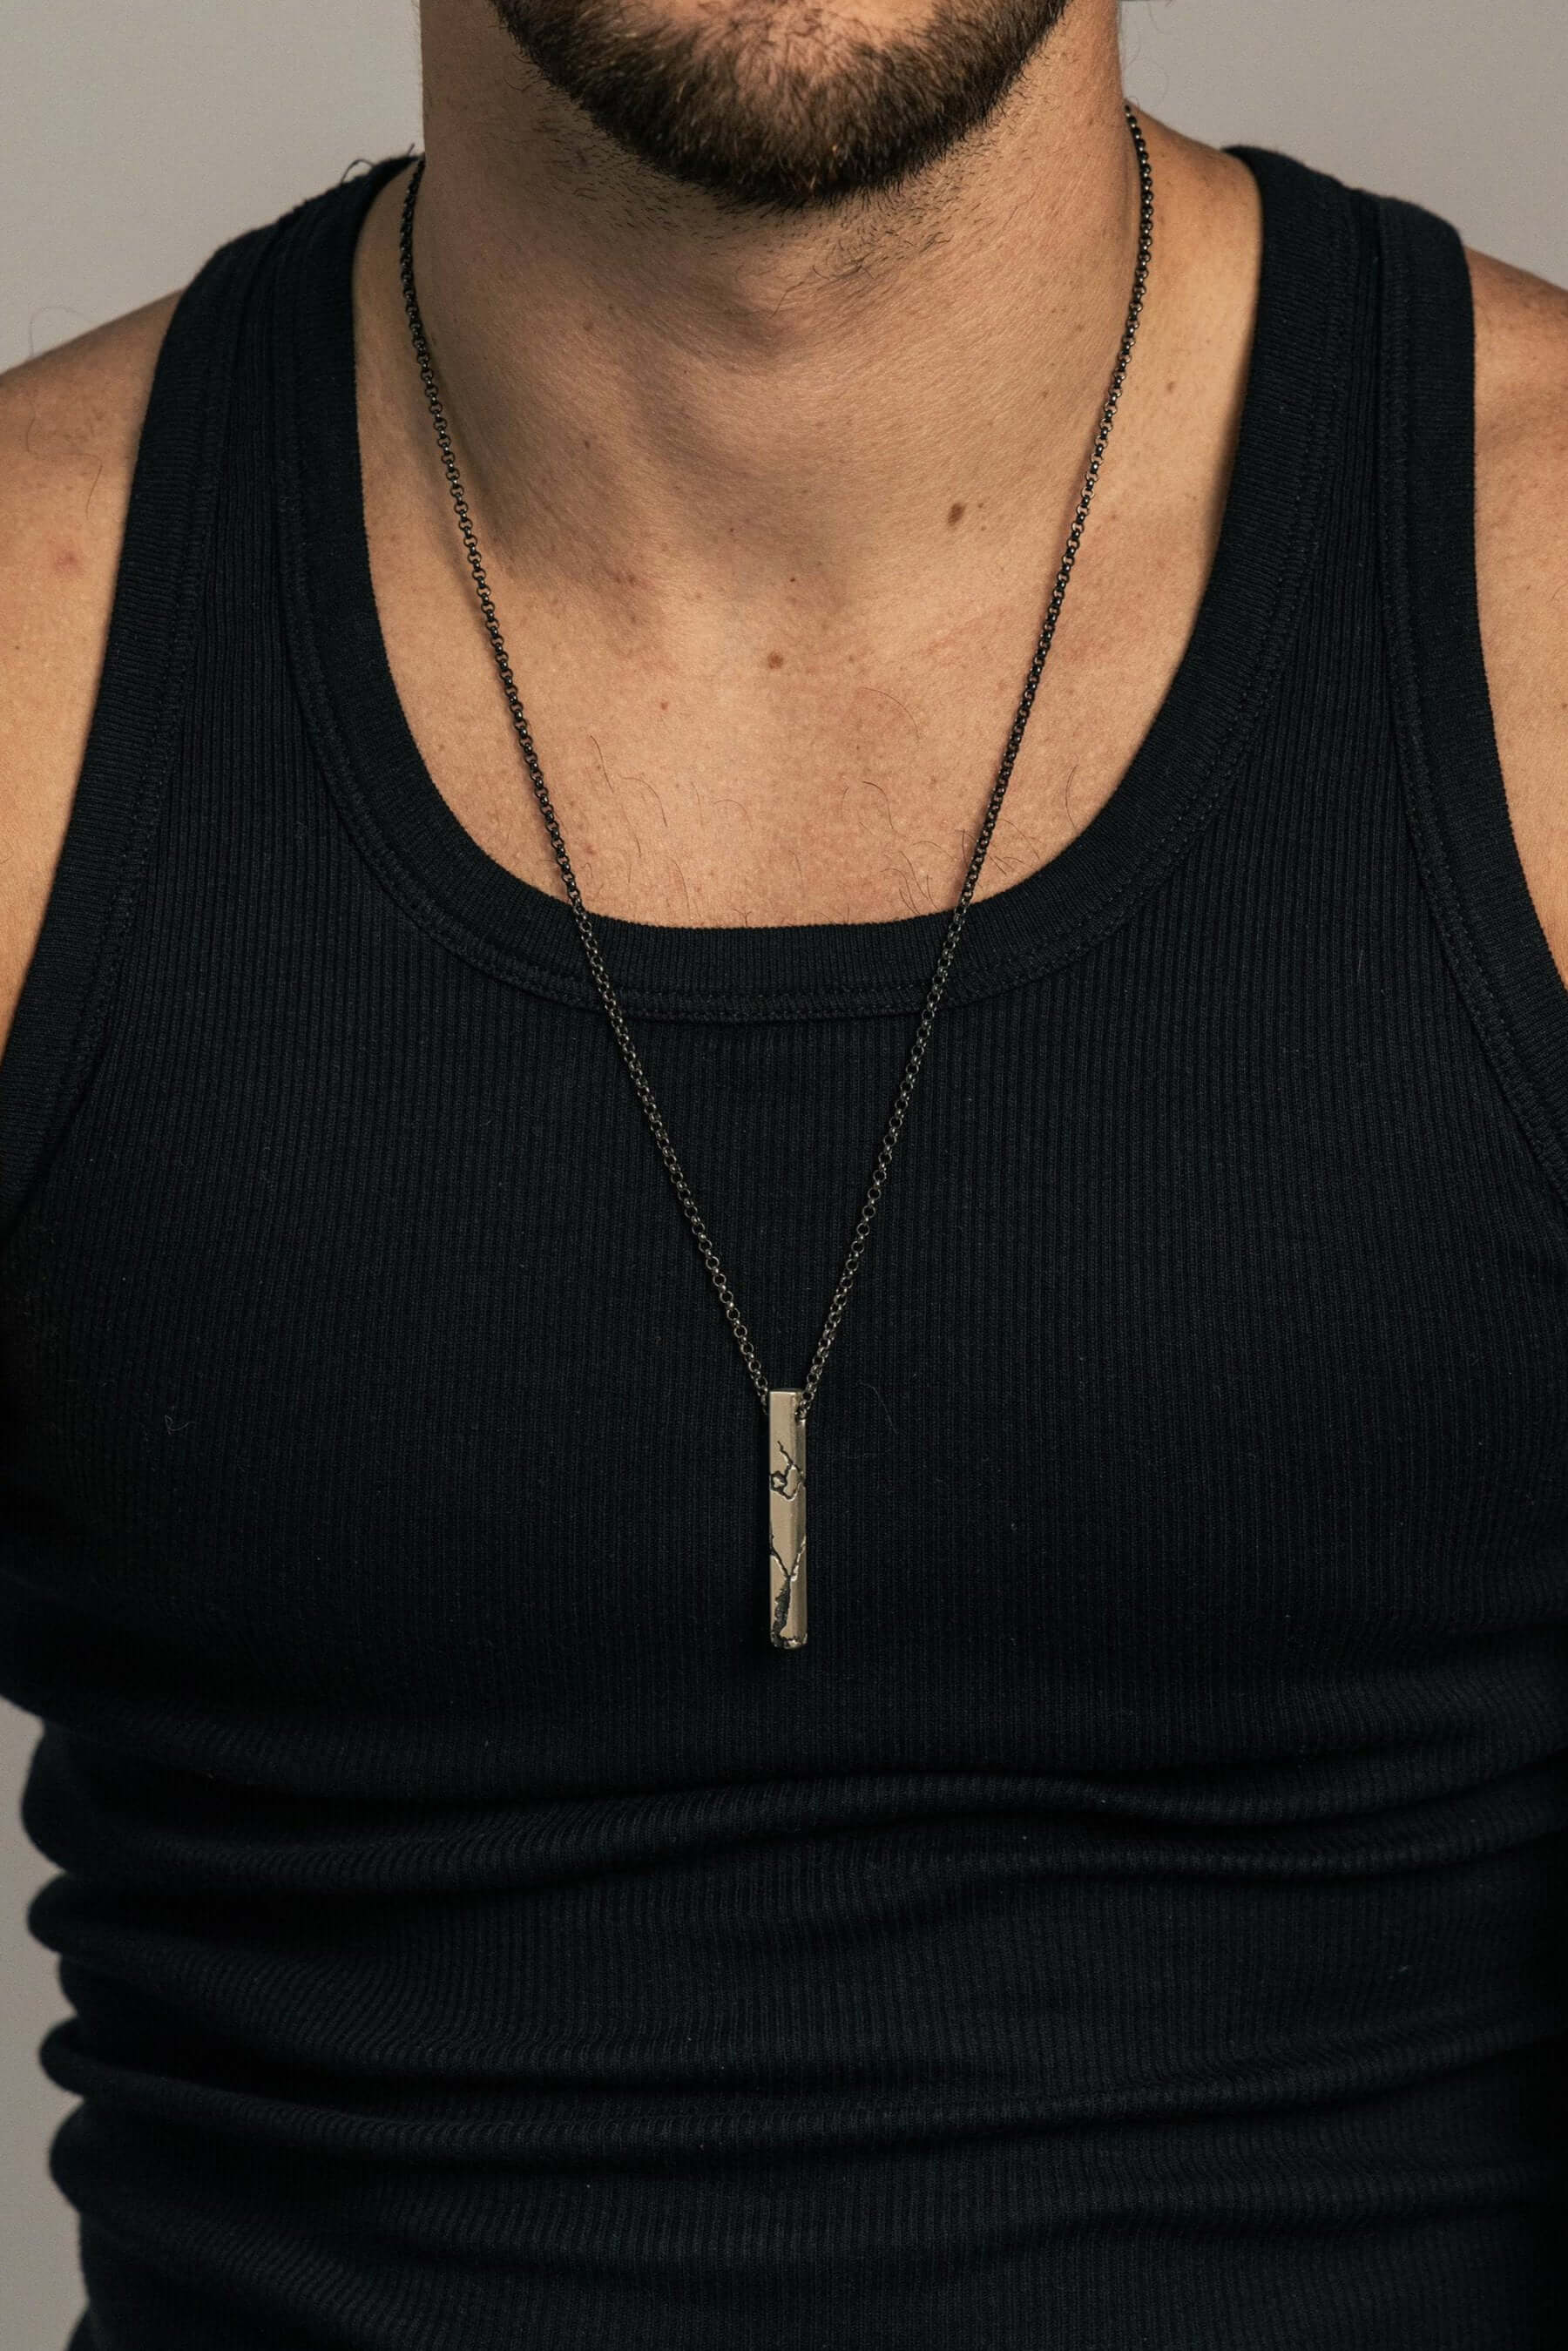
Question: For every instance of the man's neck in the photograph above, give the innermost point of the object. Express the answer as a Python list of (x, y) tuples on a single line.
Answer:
[(658, 403)]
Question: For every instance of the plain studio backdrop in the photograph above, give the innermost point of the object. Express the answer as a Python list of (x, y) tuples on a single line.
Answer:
[(136, 138)]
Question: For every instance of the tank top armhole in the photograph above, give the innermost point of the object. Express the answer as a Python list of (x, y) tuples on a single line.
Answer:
[(57, 1027), (1448, 756)]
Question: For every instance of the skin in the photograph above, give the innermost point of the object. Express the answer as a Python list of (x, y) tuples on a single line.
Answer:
[(770, 494)]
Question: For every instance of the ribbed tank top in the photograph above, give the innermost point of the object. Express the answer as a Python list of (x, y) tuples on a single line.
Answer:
[(1138, 1919)]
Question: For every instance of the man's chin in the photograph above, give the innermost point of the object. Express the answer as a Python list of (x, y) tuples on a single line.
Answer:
[(778, 105)]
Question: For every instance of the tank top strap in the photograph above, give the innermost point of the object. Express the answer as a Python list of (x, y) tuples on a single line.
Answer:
[(160, 582), (1448, 759)]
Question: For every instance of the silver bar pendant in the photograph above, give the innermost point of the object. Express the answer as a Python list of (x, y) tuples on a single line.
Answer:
[(786, 1520)]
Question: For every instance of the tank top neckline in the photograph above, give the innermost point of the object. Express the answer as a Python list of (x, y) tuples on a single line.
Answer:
[(526, 936)]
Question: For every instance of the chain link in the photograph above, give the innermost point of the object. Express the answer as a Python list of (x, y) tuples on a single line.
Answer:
[(949, 949)]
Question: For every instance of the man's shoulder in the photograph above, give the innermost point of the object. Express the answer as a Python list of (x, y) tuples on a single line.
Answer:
[(1521, 560), (1521, 444), (1521, 373), (71, 423)]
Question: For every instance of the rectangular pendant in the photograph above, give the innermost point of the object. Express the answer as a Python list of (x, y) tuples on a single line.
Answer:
[(786, 1520)]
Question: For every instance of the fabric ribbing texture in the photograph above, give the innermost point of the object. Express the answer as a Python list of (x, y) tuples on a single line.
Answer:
[(1136, 1922)]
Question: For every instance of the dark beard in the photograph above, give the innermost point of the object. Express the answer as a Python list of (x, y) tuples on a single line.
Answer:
[(780, 120)]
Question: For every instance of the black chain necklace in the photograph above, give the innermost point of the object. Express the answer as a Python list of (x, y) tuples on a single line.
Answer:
[(786, 1408)]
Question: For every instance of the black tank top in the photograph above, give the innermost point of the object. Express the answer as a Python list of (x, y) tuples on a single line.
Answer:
[(1137, 1917)]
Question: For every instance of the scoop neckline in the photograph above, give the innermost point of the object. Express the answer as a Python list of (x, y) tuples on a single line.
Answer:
[(526, 936)]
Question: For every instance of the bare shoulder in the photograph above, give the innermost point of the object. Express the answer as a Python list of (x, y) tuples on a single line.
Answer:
[(1522, 427), (1522, 559), (70, 422)]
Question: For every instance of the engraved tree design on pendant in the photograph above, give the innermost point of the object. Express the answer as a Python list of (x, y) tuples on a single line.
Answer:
[(788, 1480)]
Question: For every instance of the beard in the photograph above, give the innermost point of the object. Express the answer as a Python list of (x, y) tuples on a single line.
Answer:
[(780, 106)]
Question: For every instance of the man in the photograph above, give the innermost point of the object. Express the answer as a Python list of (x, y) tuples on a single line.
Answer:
[(1136, 1916)]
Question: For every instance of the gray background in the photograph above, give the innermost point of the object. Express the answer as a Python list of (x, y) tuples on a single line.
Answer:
[(136, 136)]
